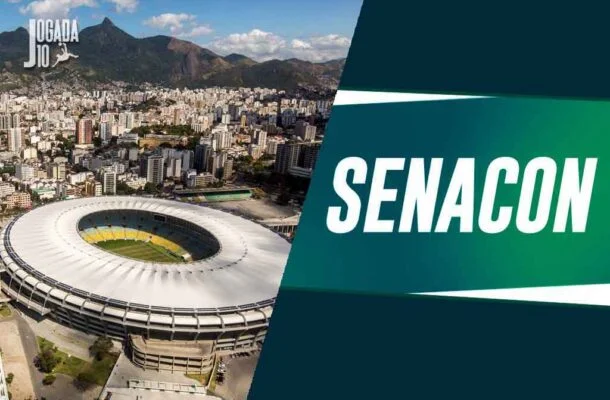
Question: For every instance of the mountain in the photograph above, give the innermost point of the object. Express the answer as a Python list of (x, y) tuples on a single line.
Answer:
[(14, 48), (238, 59), (107, 53)]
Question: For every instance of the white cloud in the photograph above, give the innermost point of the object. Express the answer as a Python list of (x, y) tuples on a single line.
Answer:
[(264, 46), (321, 48), (299, 44), (183, 25), (256, 43), (54, 8), (331, 41), (197, 30), (125, 5), (173, 22)]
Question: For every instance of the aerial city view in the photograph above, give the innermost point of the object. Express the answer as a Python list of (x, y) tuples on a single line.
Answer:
[(153, 170)]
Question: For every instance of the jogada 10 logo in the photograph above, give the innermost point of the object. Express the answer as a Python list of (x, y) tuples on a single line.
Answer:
[(45, 33)]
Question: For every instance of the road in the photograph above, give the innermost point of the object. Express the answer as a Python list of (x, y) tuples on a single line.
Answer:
[(62, 388), (30, 346), (240, 372), (15, 359)]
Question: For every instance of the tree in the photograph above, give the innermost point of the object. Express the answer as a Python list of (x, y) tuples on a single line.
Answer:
[(48, 379), (79, 168), (267, 157), (97, 141), (85, 380), (245, 159), (258, 167), (217, 184), (47, 360), (193, 141), (150, 188), (101, 347), (123, 189)]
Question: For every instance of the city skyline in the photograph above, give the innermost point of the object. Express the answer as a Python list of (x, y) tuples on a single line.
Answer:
[(205, 184), (263, 30), (153, 188)]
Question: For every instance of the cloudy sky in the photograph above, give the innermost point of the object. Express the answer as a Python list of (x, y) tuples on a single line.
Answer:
[(314, 30)]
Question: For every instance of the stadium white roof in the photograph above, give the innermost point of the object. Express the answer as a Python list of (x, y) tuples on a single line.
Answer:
[(247, 269)]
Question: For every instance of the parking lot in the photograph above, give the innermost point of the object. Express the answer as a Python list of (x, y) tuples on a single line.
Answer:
[(238, 375)]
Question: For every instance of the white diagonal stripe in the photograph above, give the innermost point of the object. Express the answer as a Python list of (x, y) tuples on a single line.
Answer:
[(353, 97), (575, 294)]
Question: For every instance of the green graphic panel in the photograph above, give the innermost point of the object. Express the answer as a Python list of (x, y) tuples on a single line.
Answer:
[(484, 129)]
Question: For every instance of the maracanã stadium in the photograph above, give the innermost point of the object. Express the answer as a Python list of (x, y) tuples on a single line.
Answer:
[(182, 282)]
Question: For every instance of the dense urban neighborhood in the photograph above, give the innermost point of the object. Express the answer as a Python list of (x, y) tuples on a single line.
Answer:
[(157, 179), (170, 143)]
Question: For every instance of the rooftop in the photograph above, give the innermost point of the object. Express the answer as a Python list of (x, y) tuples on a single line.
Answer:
[(246, 270)]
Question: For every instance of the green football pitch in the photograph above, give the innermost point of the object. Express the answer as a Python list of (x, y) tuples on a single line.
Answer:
[(139, 250)]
